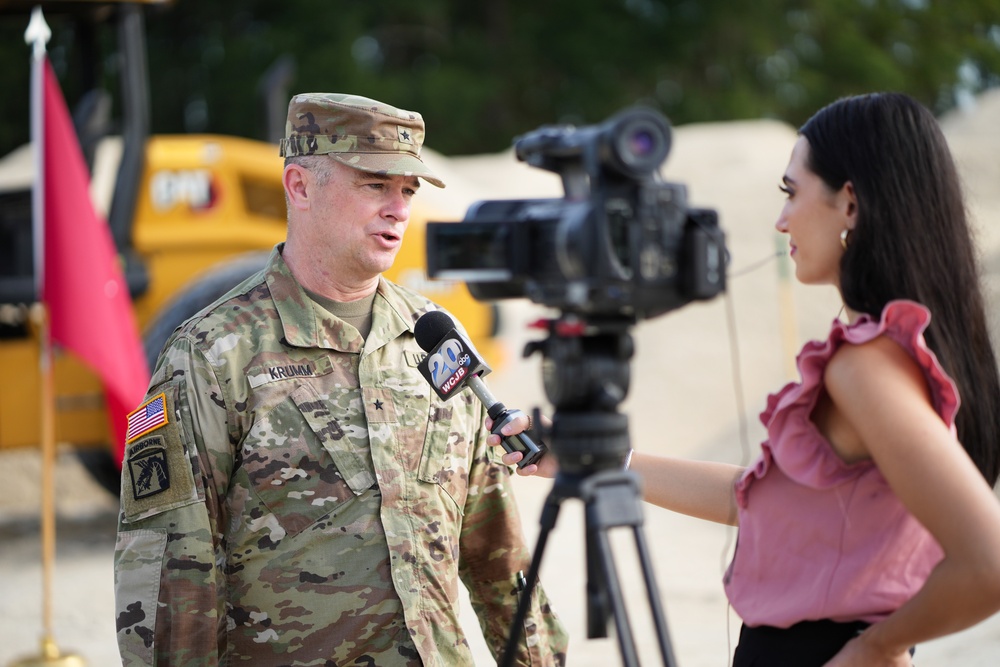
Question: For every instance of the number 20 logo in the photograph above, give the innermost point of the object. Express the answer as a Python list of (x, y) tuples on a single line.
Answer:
[(445, 361)]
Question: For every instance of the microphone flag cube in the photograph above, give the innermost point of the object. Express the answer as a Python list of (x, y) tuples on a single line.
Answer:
[(450, 364)]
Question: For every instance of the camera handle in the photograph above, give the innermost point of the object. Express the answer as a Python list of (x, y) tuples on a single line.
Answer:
[(590, 445)]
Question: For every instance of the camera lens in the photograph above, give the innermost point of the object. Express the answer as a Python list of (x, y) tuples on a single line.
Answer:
[(641, 142)]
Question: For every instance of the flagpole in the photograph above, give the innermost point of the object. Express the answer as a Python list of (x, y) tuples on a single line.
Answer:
[(37, 35)]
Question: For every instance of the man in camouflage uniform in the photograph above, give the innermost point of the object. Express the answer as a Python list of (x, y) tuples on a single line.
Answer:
[(293, 491)]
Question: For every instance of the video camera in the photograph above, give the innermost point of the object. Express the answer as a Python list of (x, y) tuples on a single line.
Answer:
[(620, 246), (621, 243)]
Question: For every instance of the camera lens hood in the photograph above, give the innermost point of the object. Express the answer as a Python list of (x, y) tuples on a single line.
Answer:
[(636, 141)]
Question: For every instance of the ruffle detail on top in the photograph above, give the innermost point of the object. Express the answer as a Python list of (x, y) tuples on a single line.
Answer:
[(795, 444)]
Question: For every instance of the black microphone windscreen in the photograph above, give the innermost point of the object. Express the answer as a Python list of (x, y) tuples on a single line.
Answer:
[(431, 327)]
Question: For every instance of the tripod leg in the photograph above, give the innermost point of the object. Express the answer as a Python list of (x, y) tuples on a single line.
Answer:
[(613, 499), (597, 592), (626, 642), (550, 513), (659, 617)]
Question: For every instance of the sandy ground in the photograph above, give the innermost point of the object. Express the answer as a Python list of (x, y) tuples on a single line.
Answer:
[(699, 379)]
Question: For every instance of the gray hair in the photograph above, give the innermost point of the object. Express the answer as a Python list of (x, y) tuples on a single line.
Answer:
[(320, 165)]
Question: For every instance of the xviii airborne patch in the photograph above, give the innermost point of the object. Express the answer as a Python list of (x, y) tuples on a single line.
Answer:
[(147, 466)]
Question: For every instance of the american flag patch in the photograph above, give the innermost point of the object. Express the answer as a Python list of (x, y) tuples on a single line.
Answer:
[(149, 416)]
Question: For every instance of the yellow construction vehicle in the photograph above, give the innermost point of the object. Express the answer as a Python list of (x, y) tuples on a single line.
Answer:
[(191, 215)]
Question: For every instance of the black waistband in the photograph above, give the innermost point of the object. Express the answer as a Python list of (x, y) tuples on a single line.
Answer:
[(805, 644)]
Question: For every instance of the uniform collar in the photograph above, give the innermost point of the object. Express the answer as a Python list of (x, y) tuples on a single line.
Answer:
[(302, 327)]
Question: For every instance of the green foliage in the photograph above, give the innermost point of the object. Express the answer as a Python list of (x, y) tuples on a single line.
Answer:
[(482, 73)]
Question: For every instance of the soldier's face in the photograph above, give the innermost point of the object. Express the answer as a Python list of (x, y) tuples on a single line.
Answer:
[(360, 219)]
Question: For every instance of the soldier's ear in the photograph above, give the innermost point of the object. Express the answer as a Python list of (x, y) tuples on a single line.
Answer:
[(297, 182)]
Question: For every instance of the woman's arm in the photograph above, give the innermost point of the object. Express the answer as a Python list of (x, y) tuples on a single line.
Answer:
[(883, 395), (701, 489)]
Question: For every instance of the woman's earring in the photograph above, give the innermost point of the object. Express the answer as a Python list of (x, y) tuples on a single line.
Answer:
[(843, 238)]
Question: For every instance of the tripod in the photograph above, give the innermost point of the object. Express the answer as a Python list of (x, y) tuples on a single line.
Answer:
[(586, 374)]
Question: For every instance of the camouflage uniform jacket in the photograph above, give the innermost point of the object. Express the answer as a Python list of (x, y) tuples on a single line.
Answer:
[(295, 495)]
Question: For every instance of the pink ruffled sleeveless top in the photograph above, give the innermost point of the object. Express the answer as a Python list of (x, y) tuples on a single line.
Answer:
[(819, 538)]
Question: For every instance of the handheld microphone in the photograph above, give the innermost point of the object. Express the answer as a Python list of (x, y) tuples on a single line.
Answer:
[(452, 364)]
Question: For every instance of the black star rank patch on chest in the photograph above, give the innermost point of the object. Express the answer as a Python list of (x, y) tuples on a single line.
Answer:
[(379, 405)]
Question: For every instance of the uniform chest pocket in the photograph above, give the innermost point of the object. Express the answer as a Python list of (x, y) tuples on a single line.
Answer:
[(300, 460), (445, 459)]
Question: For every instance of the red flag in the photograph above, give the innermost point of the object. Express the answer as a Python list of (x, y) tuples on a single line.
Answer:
[(83, 285)]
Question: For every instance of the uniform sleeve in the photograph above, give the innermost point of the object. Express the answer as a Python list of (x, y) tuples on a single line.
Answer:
[(168, 582), (493, 552)]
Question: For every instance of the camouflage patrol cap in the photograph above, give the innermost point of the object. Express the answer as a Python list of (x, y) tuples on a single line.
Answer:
[(357, 131)]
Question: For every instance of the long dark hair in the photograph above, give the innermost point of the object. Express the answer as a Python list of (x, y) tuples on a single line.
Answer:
[(912, 241)]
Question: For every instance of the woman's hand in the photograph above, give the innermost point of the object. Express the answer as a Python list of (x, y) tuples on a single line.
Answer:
[(861, 653), (547, 466)]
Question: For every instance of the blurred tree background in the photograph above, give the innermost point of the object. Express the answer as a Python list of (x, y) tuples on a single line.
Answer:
[(482, 73)]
